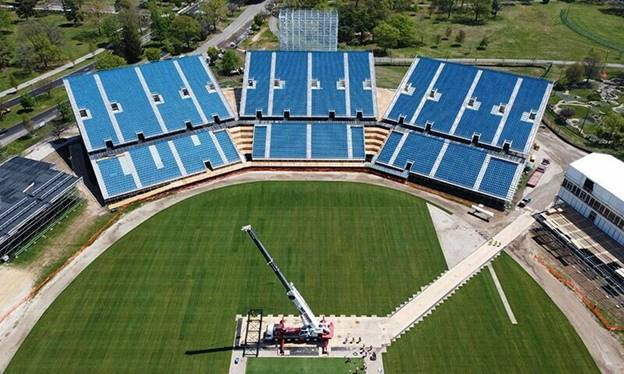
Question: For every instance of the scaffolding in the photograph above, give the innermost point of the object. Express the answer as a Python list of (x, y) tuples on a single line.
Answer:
[(308, 30)]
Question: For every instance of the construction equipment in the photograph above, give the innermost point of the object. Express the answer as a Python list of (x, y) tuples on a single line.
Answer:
[(313, 330)]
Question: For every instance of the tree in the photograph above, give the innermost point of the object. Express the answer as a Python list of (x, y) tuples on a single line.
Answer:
[(107, 60), (25, 8), (73, 11), (6, 53), (27, 102), (460, 37), (160, 23), (444, 6), (185, 29), (495, 8), (613, 129), (592, 65), (483, 43), (95, 10), (5, 18), (448, 32), (574, 73), (213, 55), (152, 54), (41, 44), (230, 62), (258, 20), (479, 8), (110, 27), (65, 112), (214, 11), (386, 35), (567, 113), (408, 34), (129, 45)]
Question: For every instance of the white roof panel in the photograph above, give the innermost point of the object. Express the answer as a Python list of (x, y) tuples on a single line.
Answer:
[(605, 170)]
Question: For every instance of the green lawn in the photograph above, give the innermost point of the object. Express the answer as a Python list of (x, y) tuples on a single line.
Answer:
[(471, 333), (42, 103), (176, 283), (600, 22), (389, 76), (301, 365), (519, 31)]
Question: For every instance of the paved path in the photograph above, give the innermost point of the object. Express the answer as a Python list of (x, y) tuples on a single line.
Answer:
[(234, 28), (489, 61), (435, 293)]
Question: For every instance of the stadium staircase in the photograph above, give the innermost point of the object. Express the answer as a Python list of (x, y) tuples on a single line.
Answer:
[(375, 137), (242, 137)]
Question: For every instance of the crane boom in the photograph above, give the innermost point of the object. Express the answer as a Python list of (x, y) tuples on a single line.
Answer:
[(311, 325)]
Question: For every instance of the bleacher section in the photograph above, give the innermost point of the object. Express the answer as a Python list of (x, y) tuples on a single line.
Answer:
[(146, 165), (464, 101), (446, 161), (308, 85), (128, 104), (303, 141)]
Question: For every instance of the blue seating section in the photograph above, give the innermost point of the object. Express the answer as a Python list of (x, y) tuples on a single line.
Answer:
[(152, 164), (357, 142), (329, 142), (136, 115), (459, 165), (498, 177), (338, 89), (290, 141), (448, 112)]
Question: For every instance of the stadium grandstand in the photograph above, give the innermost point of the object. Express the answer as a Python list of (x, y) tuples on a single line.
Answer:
[(457, 128), (489, 108), (146, 125), (308, 85), (33, 194)]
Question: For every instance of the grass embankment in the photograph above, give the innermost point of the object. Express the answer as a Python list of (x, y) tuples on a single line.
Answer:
[(471, 332), (176, 283)]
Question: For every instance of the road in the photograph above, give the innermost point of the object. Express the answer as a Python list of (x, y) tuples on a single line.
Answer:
[(235, 28), (490, 61)]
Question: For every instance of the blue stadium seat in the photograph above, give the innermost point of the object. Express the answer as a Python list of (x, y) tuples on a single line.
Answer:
[(196, 73), (357, 142), (421, 150), (147, 167), (231, 154), (389, 147), (162, 78), (328, 69), (195, 150), (461, 165), (359, 72), (288, 141), (115, 181), (329, 141), (259, 142), (257, 99), (498, 177), (292, 69)]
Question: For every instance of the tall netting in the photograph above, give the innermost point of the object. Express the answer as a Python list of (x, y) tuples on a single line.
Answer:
[(308, 29)]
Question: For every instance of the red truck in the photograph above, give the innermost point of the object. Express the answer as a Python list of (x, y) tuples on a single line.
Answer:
[(538, 172)]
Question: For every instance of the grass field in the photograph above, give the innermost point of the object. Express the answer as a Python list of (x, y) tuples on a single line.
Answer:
[(175, 284), (471, 333), (301, 366)]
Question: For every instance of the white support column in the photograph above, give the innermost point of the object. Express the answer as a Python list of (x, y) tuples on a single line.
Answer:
[(398, 148), (267, 142), (153, 105), (107, 105), (371, 64), (438, 160), (349, 143), (309, 89), (471, 91), (271, 85), (423, 100), (309, 141), (191, 93), (176, 157), (508, 107), (484, 167), (406, 77), (345, 59), (243, 102), (76, 110), (217, 145)]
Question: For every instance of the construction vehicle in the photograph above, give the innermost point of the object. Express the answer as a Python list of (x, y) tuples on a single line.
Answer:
[(312, 330)]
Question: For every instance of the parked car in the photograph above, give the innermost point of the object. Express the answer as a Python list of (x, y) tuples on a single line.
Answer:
[(524, 202)]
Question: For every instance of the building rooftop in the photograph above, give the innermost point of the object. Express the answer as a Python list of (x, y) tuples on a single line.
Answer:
[(604, 170)]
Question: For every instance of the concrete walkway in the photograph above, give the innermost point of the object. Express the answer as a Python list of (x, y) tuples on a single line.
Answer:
[(425, 302)]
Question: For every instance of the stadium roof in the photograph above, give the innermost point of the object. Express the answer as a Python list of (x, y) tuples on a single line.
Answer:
[(604, 170), (28, 187)]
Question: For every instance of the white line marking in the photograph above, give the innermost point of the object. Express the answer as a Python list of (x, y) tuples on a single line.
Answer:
[(438, 160), (471, 91), (271, 84), (508, 108), (423, 100), (345, 59), (267, 142), (482, 171), (81, 126), (309, 88), (538, 118), (371, 64), (107, 105), (218, 146), (190, 90), (398, 93), (308, 141), (398, 148), (349, 142), (243, 101), (502, 295), (156, 156), (202, 60), (148, 94), (176, 157)]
